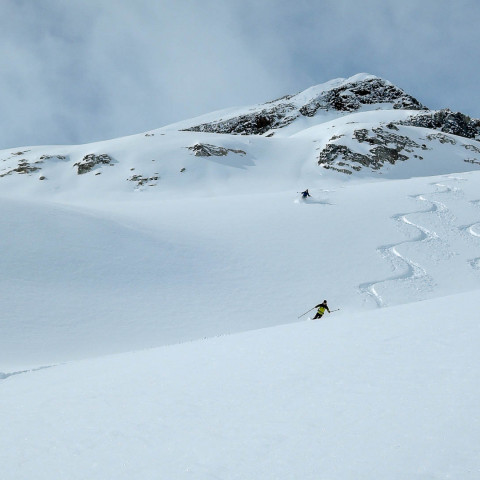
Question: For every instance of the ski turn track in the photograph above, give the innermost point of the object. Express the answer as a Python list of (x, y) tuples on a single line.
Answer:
[(411, 272), (474, 230)]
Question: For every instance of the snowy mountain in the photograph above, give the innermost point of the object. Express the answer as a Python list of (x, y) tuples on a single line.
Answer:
[(339, 95), (153, 287), (361, 124)]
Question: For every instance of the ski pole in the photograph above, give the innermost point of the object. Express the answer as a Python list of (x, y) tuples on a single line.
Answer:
[(306, 312), (331, 311)]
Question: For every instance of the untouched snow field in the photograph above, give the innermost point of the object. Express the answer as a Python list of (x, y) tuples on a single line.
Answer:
[(152, 331)]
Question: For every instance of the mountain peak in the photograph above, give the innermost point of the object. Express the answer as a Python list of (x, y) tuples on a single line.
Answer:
[(361, 125), (361, 91)]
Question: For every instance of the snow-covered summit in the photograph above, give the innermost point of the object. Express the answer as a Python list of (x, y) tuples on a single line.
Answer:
[(340, 95), (358, 126)]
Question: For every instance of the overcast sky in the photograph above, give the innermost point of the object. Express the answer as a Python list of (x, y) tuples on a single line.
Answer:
[(78, 71)]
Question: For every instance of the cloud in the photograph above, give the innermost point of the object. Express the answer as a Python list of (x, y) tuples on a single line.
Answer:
[(89, 70)]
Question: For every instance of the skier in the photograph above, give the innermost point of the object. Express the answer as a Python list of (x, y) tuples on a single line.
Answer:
[(321, 309), (305, 194)]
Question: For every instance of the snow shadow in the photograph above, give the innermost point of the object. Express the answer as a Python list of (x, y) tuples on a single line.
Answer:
[(475, 263), (312, 201), (4, 375), (235, 161)]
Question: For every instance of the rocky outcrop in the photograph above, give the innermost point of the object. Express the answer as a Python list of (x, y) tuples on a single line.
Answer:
[(280, 113), (140, 180), (19, 153), (23, 167), (387, 147), (446, 121), (90, 161), (252, 124), (384, 138), (472, 160), (207, 150), (441, 138), (472, 148), (49, 157), (350, 97)]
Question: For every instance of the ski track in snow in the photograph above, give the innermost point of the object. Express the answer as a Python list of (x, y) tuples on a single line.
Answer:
[(474, 230), (412, 271)]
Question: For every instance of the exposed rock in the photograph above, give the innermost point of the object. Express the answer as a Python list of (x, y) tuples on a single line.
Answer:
[(207, 150), (90, 161), (23, 168), (48, 157), (387, 147), (473, 148), (282, 112), (20, 153), (472, 160), (141, 180), (441, 138), (336, 137), (341, 170), (332, 152), (350, 97), (253, 124), (384, 138), (446, 121)]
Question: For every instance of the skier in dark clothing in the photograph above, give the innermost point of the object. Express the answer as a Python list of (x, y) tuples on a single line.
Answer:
[(305, 194), (321, 309)]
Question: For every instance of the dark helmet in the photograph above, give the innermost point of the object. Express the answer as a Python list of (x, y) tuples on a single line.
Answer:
[(324, 301)]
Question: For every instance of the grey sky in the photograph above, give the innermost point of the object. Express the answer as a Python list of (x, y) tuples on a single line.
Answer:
[(87, 70)]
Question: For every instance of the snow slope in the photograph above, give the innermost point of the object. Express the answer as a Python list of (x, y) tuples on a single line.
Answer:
[(115, 276), (391, 393), (150, 306)]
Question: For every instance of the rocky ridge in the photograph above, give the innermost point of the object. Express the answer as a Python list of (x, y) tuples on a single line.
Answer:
[(446, 121), (345, 98), (389, 147)]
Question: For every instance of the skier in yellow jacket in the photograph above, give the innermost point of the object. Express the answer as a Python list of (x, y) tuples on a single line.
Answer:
[(321, 309)]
